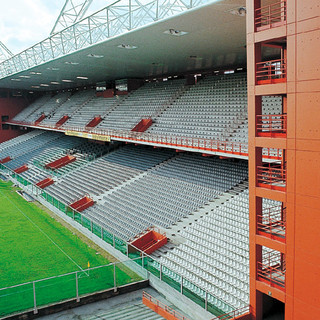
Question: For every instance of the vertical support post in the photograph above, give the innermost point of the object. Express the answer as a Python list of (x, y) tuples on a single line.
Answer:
[(91, 225), (114, 241), (101, 233), (114, 278), (206, 301), (160, 271), (35, 309), (181, 285), (77, 287)]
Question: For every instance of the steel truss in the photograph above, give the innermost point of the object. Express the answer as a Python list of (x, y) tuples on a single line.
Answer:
[(72, 11), (113, 20), (5, 53)]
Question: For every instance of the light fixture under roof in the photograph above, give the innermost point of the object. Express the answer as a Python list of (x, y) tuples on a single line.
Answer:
[(54, 82), (72, 63), (14, 79), (97, 56), (36, 87), (26, 77), (127, 46), (82, 78), (33, 72), (176, 33), (66, 80), (53, 69), (44, 85)]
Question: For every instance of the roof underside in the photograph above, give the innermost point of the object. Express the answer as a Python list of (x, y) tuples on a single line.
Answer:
[(215, 38)]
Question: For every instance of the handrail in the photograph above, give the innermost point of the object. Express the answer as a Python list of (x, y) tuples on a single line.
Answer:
[(203, 144), (271, 15), (235, 313), (271, 71), (270, 222), (163, 306), (271, 124), (272, 176)]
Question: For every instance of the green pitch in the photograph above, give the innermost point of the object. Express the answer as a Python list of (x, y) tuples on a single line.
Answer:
[(35, 246)]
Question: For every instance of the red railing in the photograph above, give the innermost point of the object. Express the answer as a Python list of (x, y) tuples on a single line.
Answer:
[(234, 314), (203, 144), (271, 176), (271, 125), (272, 223), (175, 314), (273, 71), (270, 16), (272, 270)]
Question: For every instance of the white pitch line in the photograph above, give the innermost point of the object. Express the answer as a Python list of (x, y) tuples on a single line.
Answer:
[(44, 233)]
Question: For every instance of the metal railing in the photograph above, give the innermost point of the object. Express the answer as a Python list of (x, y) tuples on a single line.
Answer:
[(270, 16), (182, 284), (69, 286), (271, 125), (271, 176), (236, 313), (272, 221), (177, 315), (113, 20), (272, 71), (272, 270), (201, 144)]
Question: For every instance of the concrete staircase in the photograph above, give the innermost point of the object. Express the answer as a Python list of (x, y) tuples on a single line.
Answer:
[(130, 312)]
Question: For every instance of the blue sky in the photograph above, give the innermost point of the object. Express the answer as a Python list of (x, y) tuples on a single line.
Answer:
[(26, 22)]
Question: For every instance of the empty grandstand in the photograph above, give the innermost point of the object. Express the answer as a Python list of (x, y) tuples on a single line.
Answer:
[(182, 138)]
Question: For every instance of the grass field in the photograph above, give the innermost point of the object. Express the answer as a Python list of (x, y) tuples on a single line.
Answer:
[(35, 246)]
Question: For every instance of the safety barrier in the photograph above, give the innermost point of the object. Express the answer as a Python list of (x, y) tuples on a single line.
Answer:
[(272, 176), (161, 308), (272, 223), (271, 16), (179, 142), (273, 71), (272, 270), (235, 314), (271, 125)]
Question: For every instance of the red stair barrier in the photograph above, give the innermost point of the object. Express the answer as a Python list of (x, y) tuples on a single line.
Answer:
[(82, 204), (160, 308), (60, 162), (94, 122), (45, 183), (40, 119), (5, 160), (62, 121), (143, 125), (150, 241), (21, 169)]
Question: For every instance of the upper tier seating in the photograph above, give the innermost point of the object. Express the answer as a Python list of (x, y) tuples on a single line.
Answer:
[(142, 103), (32, 108), (206, 109), (69, 107), (97, 106)]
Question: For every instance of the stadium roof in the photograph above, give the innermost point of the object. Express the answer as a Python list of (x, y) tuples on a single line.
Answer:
[(205, 37)]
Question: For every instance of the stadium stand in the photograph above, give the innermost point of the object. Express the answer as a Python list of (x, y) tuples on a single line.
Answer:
[(69, 107), (206, 109), (165, 194), (106, 173), (215, 255)]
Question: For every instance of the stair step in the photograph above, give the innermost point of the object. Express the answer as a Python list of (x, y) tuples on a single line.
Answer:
[(130, 312)]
